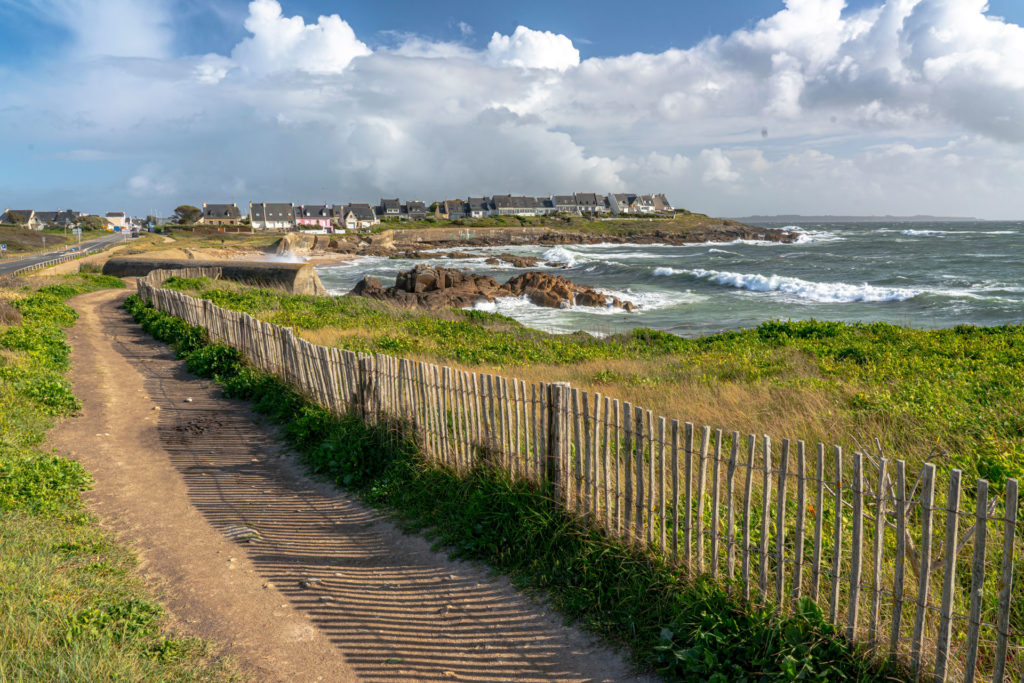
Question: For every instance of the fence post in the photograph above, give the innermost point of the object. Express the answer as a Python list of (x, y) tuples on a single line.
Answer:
[(367, 387), (558, 434)]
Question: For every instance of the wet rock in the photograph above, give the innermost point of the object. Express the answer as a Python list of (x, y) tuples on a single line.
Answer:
[(434, 287)]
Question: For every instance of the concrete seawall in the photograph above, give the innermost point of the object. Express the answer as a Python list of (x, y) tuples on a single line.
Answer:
[(295, 278)]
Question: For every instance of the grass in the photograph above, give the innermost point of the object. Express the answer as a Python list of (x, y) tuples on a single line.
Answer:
[(71, 606), (617, 226), (22, 241), (952, 395), (684, 630)]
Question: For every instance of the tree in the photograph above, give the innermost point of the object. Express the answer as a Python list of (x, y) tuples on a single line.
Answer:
[(91, 223), (17, 218), (186, 214), (151, 221)]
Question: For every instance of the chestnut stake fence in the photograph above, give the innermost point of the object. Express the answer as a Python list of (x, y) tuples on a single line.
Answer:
[(917, 566)]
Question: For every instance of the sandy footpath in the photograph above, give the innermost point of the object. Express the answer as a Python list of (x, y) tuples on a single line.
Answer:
[(325, 590)]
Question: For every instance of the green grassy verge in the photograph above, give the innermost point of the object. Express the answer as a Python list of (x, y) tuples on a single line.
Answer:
[(953, 392), (71, 606), (615, 226), (684, 630)]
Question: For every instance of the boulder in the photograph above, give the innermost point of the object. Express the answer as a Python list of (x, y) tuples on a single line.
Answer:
[(555, 291), (434, 287)]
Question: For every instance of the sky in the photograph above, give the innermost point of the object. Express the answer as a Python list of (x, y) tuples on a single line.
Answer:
[(731, 107)]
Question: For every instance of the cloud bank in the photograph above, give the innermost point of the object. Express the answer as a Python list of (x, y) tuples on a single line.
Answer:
[(910, 106)]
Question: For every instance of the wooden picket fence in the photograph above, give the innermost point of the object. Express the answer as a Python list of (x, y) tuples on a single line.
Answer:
[(881, 553)]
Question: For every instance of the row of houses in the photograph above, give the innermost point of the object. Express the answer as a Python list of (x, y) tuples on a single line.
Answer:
[(356, 216), (580, 204), (62, 218)]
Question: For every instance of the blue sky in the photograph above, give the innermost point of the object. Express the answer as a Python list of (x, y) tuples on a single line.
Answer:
[(814, 106)]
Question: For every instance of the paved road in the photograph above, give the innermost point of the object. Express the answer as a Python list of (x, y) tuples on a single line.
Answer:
[(9, 265)]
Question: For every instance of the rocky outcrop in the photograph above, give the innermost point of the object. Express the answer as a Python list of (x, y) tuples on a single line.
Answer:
[(555, 291), (431, 287), (435, 288), (514, 261)]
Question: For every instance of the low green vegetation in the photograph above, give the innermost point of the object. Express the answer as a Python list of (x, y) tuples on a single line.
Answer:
[(620, 226), (951, 395), (685, 630), (21, 240), (71, 606)]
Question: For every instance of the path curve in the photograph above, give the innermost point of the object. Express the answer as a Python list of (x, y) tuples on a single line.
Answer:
[(329, 591)]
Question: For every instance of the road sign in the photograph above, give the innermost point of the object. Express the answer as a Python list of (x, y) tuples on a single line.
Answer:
[(76, 231), (3, 247)]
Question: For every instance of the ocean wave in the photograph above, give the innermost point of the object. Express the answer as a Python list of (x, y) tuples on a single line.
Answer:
[(821, 292), (665, 270), (712, 250), (923, 233), (560, 255)]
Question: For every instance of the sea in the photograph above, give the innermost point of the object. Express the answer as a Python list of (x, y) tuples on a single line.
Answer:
[(920, 275)]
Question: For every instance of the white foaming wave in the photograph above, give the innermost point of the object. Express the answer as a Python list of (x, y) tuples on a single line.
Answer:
[(821, 292), (649, 301), (665, 270), (560, 255), (521, 306), (923, 233), (712, 250)]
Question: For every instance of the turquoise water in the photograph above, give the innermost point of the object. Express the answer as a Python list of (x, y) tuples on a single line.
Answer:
[(923, 275)]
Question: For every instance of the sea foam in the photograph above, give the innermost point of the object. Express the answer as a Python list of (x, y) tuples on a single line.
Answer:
[(560, 255), (822, 292), (922, 233)]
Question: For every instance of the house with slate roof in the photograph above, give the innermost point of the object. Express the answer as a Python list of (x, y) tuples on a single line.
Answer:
[(509, 205), (358, 216), (271, 216), (565, 203), (26, 217), (414, 210), (389, 208), (451, 209), (590, 203), (313, 216), (59, 219), (479, 207), (220, 214)]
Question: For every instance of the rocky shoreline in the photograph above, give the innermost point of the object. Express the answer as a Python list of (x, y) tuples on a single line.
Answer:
[(435, 288), (413, 244)]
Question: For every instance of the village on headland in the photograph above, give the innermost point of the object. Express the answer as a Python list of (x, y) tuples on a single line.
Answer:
[(353, 216)]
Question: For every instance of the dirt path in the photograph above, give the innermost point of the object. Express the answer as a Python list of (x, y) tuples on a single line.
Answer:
[(328, 591)]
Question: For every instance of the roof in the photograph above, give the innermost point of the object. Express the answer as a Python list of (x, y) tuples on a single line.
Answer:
[(115, 214), (362, 212), (312, 211), (588, 199), (270, 211), (415, 205), (479, 203), (454, 205), (220, 211), (563, 199), (48, 216), (506, 201), (390, 204)]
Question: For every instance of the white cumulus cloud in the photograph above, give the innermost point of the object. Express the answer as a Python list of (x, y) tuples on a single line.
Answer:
[(910, 106), (280, 43), (533, 50)]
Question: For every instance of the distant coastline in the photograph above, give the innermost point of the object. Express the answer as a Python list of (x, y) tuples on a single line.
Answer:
[(793, 218)]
